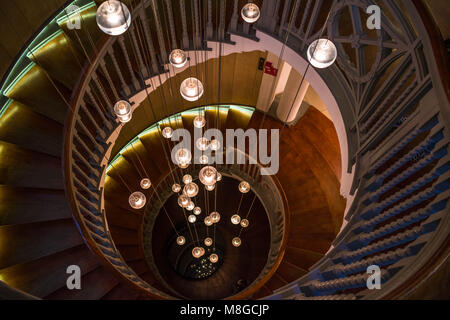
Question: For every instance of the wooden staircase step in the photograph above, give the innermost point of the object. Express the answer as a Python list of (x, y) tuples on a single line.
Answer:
[(45, 275), (290, 272), (95, 285), (30, 130), (25, 205), (302, 258), (121, 292), (131, 253), (60, 52), (30, 169), (37, 91), (28, 242)]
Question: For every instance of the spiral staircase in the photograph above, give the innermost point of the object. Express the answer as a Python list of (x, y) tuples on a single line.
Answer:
[(63, 204)]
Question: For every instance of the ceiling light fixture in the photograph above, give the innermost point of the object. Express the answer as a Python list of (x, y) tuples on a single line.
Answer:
[(322, 53), (244, 187), (187, 179), (167, 132), (250, 13), (178, 58), (183, 201), (236, 219), (191, 89), (208, 242), (146, 183), (236, 242), (176, 188), (208, 176), (245, 223), (137, 200), (191, 190), (113, 17), (215, 217), (199, 122), (214, 258), (122, 109), (197, 211), (181, 240)]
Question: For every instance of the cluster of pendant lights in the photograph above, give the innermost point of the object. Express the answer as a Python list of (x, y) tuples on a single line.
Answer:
[(114, 18)]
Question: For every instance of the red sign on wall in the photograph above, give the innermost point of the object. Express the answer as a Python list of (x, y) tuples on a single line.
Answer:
[(270, 69)]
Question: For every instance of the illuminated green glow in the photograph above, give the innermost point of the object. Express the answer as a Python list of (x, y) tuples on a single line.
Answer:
[(48, 33), (18, 78), (44, 43), (193, 112), (67, 16), (5, 107)]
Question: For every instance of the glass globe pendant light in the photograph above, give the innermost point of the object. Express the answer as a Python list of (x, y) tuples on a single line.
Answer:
[(197, 252), (178, 58), (183, 201), (167, 132), (244, 187), (208, 222), (245, 223), (122, 109), (214, 145), (137, 200), (215, 217), (191, 190), (322, 53), (192, 219), (183, 157), (197, 211), (113, 17), (208, 242), (183, 165), (199, 122), (236, 242), (202, 144), (190, 206), (219, 176), (146, 183), (210, 188), (250, 13), (181, 240), (208, 176), (176, 188), (214, 258), (187, 179), (191, 89), (236, 219), (204, 160)]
